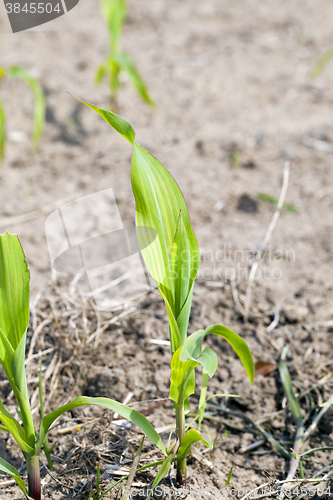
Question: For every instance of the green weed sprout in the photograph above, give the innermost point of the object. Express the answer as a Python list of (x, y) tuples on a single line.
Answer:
[(39, 113), (14, 319), (114, 12), (173, 260)]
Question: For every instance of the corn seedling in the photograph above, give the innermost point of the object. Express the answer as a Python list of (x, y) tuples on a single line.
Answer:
[(114, 12), (39, 113), (173, 261), (14, 319)]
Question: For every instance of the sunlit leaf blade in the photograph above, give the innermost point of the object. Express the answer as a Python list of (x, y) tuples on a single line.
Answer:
[(161, 205), (14, 318), (14, 291), (18, 368), (161, 473), (9, 469), (192, 436), (116, 122), (40, 106), (4, 413), (132, 415), (127, 65), (175, 338), (194, 346), (2, 130), (208, 360), (180, 388)]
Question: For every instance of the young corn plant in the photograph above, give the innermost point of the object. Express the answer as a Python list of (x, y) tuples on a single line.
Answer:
[(39, 113), (173, 261), (114, 12), (14, 319)]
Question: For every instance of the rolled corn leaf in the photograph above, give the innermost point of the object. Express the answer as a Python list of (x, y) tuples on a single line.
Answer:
[(193, 346), (192, 436), (182, 383)]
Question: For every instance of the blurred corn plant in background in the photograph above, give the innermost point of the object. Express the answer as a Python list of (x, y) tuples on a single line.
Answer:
[(321, 64), (117, 62), (18, 72)]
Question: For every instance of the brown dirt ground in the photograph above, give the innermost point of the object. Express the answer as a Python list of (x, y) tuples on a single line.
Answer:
[(235, 100)]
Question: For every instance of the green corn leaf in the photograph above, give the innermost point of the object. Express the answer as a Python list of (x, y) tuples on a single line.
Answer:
[(14, 428), (182, 385), (9, 469), (208, 360), (229, 477), (161, 473), (114, 12), (132, 415), (100, 74), (119, 124), (127, 65), (14, 293), (173, 258), (194, 345), (40, 106), (192, 436), (2, 130), (3, 428)]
